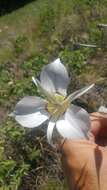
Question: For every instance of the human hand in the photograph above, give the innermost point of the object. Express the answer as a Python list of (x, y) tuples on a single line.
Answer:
[(85, 161)]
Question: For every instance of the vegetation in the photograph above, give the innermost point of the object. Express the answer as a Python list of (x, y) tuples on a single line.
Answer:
[(30, 37)]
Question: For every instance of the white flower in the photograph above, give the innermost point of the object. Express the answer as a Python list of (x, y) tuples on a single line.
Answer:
[(69, 120)]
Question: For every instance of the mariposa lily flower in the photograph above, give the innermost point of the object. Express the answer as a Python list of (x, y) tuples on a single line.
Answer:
[(57, 109)]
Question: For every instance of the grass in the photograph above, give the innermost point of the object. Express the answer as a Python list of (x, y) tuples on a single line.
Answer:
[(52, 184), (42, 22), (32, 21), (30, 37)]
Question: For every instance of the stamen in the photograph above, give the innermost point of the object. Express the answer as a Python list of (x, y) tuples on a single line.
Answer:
[(57, 110), (53, 106)]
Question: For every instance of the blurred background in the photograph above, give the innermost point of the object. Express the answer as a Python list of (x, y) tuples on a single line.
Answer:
[(32, 34)]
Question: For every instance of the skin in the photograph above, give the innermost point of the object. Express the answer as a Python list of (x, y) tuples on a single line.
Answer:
[(85, 161)]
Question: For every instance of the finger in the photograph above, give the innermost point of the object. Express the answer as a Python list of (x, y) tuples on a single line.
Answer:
[(91, 137), (99, 114), (99, 124), (78, 157), (76, 147)]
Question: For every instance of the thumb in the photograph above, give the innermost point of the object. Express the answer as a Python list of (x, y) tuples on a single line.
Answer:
[(77, 160)]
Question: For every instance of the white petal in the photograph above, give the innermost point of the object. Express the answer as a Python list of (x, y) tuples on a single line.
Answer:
[(51, 126), (79, 117), (102, 109), (29, 104), (75, 123), (80, 92), (32, 120), (42, 89), (54, 77), (34, 81), (67, 130)]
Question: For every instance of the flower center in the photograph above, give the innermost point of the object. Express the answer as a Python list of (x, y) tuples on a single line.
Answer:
[(57, 109), (51, 107)]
